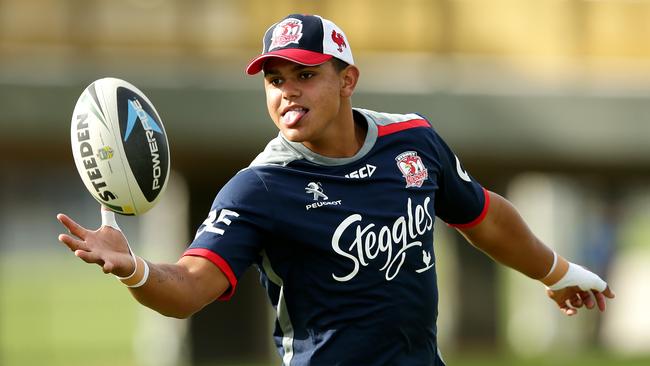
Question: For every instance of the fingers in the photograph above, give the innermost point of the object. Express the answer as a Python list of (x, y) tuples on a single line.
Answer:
[(570, 299), (95, 258), (74, 228), (609, 293), (569, 311), (89, 257), (587, 300), (92, 246), (562, 299), (600, 297), (576, 301), (566, 308), (600, 300), (72, 243)]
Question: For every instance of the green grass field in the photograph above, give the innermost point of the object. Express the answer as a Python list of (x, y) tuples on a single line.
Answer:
[(55, 311)]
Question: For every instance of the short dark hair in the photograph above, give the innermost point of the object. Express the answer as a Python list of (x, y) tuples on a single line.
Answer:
[(339, 64)]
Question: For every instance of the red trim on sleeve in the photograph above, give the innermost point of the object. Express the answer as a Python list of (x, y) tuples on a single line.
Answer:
[(401, 126), (221, 264), (480, 217)]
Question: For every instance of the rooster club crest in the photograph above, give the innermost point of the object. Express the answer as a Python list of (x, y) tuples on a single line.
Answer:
[(286, 32), (339, 40), (412, 168)]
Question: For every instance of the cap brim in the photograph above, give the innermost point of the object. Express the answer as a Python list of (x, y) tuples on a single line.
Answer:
[(303, 57)]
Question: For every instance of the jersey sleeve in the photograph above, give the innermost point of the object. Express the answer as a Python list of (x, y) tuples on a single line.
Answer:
[(460, 200), (231, 236)]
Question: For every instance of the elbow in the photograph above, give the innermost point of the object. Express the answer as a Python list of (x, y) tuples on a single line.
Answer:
[(178, 313), (174, 310)]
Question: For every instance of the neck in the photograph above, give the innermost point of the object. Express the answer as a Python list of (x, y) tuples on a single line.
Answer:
[(343, 139)]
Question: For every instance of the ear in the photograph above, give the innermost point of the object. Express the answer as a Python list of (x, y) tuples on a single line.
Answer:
[(349, 79)]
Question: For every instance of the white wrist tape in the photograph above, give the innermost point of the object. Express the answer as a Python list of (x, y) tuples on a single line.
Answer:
[(139, 277), (135, 267), (553, 266), (145, 277), (108, 219), (578, 276)]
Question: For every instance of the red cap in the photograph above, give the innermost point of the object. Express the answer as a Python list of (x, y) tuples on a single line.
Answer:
[(305, 39)]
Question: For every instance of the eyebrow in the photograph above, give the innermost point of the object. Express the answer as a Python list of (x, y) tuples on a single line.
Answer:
[(297, 67)]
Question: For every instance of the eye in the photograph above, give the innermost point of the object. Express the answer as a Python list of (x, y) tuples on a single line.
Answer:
[(274, 81), (305, 75)]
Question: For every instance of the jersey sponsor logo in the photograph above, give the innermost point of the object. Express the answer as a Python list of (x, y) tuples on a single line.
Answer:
[(286, 32), (316, 189), (412, 168), (388, 243), (461, 172), (363, 172)]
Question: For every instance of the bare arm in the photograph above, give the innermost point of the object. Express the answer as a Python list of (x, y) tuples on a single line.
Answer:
[(177, 290), (181, 289), (504, 236)]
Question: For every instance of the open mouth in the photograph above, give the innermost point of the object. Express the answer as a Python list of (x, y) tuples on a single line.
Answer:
[(293, 115)]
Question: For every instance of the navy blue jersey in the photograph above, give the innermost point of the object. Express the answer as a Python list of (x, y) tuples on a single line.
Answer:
[(344, 246)]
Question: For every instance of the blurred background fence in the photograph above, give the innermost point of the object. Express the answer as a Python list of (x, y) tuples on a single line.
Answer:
[(546, 101)]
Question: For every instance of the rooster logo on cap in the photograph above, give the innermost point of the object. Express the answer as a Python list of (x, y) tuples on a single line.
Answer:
[(339, 40)]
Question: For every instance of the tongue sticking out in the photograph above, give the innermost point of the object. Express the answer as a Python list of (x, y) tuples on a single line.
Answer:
[(292, 117)]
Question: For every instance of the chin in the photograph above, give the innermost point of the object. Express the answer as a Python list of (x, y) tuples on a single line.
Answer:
[(293, 136)]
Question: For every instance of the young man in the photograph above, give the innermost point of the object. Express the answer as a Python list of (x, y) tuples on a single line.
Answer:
[(337, 213)]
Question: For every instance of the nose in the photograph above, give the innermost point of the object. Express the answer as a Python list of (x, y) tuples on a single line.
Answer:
[(290, 90)]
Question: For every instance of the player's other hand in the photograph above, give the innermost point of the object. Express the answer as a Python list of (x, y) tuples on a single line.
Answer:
[(106, 246), (570, 299), (579, 287)]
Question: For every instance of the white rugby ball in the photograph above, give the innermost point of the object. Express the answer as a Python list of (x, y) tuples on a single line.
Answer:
[(120, 146)]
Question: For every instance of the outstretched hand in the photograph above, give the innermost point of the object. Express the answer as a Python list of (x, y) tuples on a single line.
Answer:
[(106, 246)]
